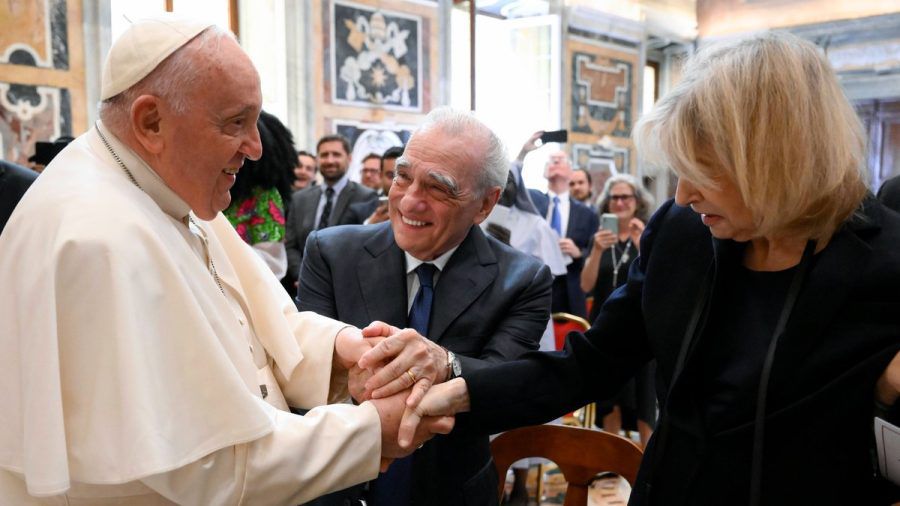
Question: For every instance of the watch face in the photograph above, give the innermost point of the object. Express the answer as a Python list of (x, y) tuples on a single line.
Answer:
[(456, 367)]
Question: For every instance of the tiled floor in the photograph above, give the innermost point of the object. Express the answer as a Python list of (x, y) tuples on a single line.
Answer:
[(607, 491), (610, 491)]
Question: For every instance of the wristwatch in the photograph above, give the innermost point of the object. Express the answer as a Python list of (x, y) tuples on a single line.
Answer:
[(454, 368)]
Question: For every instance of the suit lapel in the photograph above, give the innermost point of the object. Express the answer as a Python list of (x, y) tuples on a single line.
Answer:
[(541, 202), (572, 226), (470, 270), (341, 205), (382, 278), (309, 209)]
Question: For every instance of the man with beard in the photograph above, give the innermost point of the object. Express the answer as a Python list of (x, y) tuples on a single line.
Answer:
[(324, 205)]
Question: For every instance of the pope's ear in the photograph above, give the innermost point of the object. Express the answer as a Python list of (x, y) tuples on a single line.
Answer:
[(146, 122)]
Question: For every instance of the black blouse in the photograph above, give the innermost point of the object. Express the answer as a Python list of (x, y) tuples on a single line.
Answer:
[(625, 252)]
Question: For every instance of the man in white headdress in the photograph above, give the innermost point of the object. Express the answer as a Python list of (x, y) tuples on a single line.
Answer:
[(147, 355)]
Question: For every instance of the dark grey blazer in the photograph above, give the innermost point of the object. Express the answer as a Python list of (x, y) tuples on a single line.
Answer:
[(301, 220), (359, 212), (14, 181), (491, 304)]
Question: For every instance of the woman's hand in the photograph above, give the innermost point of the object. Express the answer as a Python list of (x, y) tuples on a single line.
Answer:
[(603, 239), (441, 401), (635, 229)]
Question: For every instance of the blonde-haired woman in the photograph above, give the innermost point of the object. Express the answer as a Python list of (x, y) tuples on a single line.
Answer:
[(767, 293), (605, 269)]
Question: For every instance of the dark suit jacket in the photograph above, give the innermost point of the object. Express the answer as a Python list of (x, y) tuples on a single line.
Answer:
[(491, 304), (583, 224), (301, 220), (359, 212), (14, 181), (842, 333), (889, 193)]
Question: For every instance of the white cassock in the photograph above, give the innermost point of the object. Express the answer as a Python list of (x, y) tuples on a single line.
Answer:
[(127, 376)]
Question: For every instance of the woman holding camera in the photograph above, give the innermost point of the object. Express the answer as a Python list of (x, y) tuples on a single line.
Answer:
[(624, 206), (767, 292)]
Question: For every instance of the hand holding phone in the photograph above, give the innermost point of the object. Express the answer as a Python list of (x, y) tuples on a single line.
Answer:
[(555, 136), (609, 221)]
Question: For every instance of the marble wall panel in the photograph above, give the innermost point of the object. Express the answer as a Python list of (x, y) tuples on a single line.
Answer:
[(602, 90), (31, 113)]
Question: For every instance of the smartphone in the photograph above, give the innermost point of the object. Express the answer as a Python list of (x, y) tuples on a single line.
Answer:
[(609, 221), (555, 136)]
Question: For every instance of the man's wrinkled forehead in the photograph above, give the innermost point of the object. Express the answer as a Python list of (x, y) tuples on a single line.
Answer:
[(557, 158)]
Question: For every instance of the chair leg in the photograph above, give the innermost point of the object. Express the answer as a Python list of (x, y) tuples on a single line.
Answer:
[(540, 483)]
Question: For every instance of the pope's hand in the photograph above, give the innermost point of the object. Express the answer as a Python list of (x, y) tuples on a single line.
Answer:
[(350, 345), (446, 399), (406, 360), (390, 411), (356, 383)]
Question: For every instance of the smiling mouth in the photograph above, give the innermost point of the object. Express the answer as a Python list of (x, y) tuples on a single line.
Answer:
[(413, 223)]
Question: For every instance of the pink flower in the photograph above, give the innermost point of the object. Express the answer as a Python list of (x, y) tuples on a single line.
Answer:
[(276, 213), (247, 206), (242, 231)]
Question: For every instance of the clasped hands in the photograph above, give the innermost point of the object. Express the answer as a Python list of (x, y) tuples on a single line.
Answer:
[(394, 369)]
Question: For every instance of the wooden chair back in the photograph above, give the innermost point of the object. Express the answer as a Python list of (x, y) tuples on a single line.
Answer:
[(580, 454)]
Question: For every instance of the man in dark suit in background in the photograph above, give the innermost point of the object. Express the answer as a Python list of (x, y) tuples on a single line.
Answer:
[(322, 205), (889, 193), (376, 211), (14, 181), (575, 223), (432, 269)]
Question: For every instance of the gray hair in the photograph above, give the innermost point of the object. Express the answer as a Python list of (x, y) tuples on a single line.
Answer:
[(169, 80), (643, 198), (495, 164)]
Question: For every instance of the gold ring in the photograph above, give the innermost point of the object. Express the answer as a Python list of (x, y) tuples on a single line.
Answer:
[(412, 377)]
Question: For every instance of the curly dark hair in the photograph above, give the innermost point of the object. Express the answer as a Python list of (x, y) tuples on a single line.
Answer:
[(275, 166)]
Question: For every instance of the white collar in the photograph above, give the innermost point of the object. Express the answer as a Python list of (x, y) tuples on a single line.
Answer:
[(147, 179), (412, 263)]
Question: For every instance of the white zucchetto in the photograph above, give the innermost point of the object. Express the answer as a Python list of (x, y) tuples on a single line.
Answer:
[(142, 47)]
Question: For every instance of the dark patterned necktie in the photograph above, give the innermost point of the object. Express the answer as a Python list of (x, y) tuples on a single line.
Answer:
[(326, 211)]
